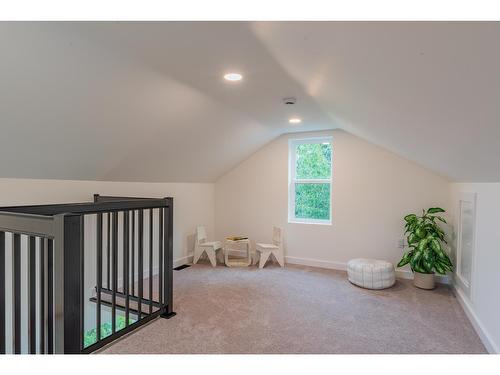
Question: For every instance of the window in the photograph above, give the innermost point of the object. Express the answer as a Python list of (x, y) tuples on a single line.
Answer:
[(310, 180)]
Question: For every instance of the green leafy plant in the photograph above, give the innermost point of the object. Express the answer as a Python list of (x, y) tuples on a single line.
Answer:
[(90, 336), (425, 239)]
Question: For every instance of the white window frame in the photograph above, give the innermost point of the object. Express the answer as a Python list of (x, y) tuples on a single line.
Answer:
[(292, 179)]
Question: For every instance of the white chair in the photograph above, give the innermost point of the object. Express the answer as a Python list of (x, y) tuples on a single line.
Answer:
[(276, 248), (202, 245)]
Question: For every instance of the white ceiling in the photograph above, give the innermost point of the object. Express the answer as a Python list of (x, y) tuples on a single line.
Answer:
[(147, 102)]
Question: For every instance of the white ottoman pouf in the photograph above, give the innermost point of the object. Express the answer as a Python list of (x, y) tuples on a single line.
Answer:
[(371, 273)]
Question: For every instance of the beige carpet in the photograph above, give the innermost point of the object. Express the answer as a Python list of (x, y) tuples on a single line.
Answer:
[(301, 310)]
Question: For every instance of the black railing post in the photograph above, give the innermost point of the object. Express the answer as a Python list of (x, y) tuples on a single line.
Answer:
[(150, 258), (132, 246), (16, 292), (98, 272), (2, 292), (160, 255), (140, 260), (42, 298), (126, 259), (32, 294), (114, 268), (50, 297), (69, 301), (168, 222)]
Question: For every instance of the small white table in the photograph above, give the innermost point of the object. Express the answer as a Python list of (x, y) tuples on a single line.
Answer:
[(230, 245)]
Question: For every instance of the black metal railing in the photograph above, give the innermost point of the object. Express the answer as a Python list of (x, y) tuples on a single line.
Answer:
[(75, 277)]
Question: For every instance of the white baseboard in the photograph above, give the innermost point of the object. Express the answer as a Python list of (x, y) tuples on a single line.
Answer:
[(486, 339), (342, 266), (176, 263), (316, 263), (184, 260), (408, 275)]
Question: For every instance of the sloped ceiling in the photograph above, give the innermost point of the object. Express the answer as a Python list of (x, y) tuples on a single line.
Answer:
[(130, 101)]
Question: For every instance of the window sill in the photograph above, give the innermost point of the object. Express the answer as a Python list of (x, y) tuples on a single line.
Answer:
[(309, 222)]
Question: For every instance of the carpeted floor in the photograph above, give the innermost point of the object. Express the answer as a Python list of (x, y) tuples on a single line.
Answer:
[(301, 310)]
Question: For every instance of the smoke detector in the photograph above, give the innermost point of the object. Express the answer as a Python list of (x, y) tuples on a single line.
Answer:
[(289, 101)]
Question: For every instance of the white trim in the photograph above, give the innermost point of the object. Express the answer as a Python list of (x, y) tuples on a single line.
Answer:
[(332, 265), (342, 266), (479, 327), (184, 260), (145, 273), (312, 180), (408, 275), (176, 263), (319, 139), (310, 221), (404, 274)]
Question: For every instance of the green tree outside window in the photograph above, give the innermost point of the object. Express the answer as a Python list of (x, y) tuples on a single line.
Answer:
[(313, 169)]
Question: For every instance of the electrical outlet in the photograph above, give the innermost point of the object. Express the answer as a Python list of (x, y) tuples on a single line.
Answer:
[(401, 243)]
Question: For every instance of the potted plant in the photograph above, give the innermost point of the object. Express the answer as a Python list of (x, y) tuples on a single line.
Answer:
[(426, 255)]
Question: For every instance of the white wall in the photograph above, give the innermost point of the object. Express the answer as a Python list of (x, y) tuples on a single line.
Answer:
[(193, 202), (483, 305), (372, 190)]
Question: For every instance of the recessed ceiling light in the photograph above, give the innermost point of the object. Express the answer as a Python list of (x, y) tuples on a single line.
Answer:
[(295, 120), (233, 77)]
